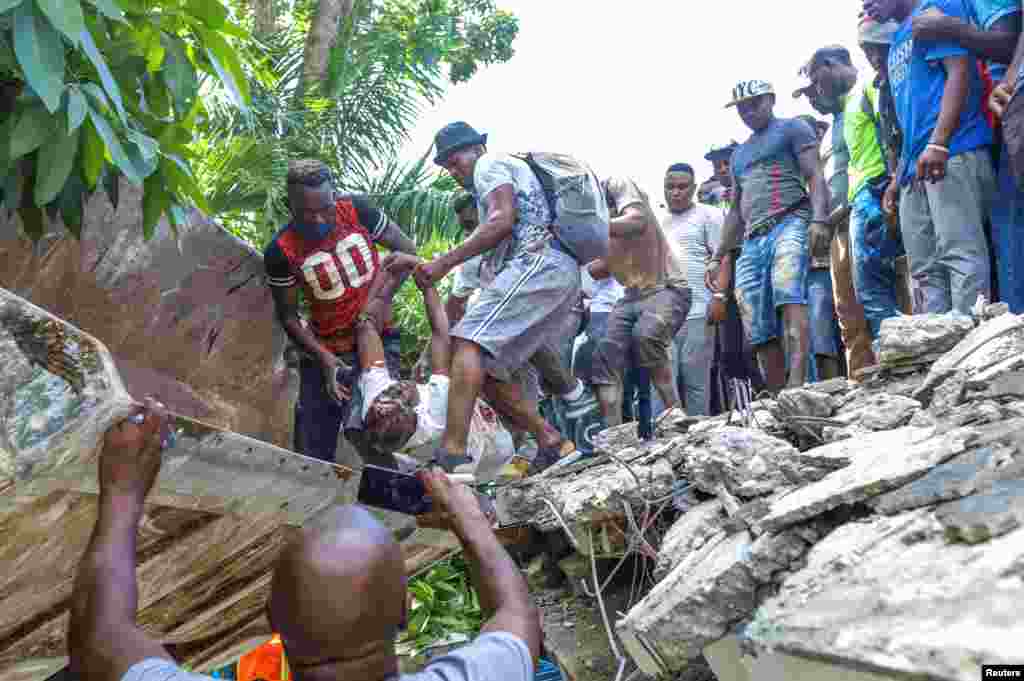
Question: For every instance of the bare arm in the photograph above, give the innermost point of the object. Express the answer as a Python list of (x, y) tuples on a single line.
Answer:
[(396, 240), (953, 98), (632, 222), (732, 226), (103, 639), (813, 172), (997, 43), (500, 221), (504, 595), (286, 304), (455, 309), (440, 338)]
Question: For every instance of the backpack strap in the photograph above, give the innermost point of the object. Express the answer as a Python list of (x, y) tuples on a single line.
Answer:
[(549, 196)]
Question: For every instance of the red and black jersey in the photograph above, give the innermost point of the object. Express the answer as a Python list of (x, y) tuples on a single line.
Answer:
[(336, 271)]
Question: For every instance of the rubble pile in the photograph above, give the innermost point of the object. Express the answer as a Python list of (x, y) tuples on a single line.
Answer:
[(875, 524)]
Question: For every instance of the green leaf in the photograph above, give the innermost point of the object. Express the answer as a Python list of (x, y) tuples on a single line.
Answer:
[(155, 200), (158, 96), (210, 12), (66, 16), (53, 166), (117, 152), (33, 128), (13, 185), (179, 74), (40, 53), (76, 108), (229, 69), (95, 93), (106, 77), (93, 152), (141, 154), (71, 201), (112, 185), (109, 9), (6, 5)]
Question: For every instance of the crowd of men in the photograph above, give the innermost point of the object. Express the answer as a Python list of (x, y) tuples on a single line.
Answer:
[(787, 254)]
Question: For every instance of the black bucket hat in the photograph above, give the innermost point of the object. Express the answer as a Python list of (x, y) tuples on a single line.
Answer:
[(453, 137)]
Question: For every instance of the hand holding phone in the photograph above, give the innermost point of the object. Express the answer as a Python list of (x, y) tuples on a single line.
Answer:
[(393, 491)]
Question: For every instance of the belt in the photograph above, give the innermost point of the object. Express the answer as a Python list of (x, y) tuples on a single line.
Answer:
[(769, 224)]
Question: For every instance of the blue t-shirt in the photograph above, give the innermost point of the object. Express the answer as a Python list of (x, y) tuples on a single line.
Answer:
[(766, 168), (918, 80), (984, 15)]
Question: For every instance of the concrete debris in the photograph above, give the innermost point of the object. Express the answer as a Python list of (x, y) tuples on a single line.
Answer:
[(985, 515), (691, 608), (879, 411), (890, 593), (688, 534), (876, 524), (587, 497), (880, 462), (960, 476), (805, 402), (908, 340), (984, 347), (750, 463)]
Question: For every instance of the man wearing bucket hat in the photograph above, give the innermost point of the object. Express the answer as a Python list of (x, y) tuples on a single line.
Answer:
[(781, 200), (945, 179), (530, 285), (717, 190)]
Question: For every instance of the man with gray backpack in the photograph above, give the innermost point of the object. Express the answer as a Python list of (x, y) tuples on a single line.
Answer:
[(541, 216)]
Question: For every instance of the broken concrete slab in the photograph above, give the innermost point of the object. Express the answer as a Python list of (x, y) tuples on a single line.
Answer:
[(691, 608), (833, 386), (906, 339), (987, 345), (688, 534), (879, 411), (614, 440), (987, 514), (879, 462), (805, 402), (890, 594), (959, 477), (773, 553), (751, 463), (1009, 385), (585, 498)]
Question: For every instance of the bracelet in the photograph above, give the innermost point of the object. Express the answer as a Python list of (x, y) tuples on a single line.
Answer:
[(938, 147)]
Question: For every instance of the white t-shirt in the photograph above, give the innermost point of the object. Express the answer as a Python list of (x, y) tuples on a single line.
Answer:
[(604, 293), (530, 234), (490, 445), (497, 656), (697, 234)]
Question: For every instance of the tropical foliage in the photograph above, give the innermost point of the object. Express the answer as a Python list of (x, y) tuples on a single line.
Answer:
[(445, 608), (97, 89), (391, 58)]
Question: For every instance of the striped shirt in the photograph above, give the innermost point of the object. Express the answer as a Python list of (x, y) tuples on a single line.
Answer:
[(697, 233)]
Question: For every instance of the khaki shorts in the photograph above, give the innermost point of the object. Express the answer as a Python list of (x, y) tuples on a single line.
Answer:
[(641, 328)]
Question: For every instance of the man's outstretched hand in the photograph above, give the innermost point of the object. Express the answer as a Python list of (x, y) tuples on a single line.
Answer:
[(400, 263), (455, 506), (130, 460), (429, 273)]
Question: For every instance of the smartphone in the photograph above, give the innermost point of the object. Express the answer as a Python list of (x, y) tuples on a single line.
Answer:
[(393, 491)]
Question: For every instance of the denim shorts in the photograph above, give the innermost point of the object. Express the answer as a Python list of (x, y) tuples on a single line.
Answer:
[(771, 272)]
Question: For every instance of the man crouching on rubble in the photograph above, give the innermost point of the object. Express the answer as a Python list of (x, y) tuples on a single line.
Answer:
[(337, 595)]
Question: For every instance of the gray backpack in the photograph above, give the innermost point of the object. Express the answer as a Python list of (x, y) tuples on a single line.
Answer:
[(577, 202)]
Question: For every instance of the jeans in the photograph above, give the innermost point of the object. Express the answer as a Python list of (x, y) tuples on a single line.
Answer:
[(875, 276), (693, 356), (821, 312), (1008, 237), (318, 418), (772, 272), (944, 234)]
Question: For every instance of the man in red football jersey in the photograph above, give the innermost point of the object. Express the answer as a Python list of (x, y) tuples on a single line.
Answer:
[(328, 250)]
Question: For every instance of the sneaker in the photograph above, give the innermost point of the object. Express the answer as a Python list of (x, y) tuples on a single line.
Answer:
[(585, 421)]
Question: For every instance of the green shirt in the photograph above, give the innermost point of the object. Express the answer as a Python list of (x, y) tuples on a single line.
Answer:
[(860, 129)]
